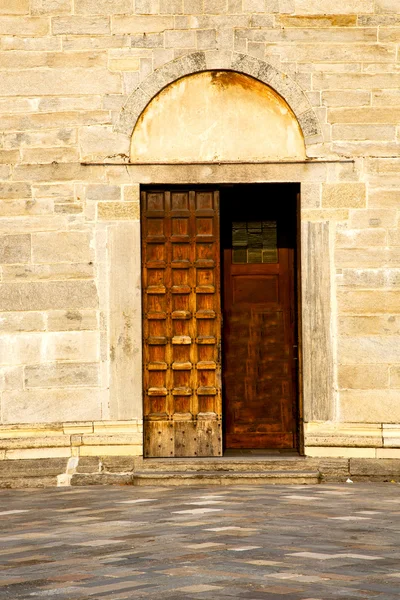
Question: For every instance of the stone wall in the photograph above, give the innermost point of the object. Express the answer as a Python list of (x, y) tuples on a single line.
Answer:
[(70, 338)]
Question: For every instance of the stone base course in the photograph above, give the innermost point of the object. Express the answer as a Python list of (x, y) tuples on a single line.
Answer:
[(134, 470)]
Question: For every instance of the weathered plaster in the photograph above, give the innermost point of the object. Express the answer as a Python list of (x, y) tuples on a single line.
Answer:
[(217, 116)]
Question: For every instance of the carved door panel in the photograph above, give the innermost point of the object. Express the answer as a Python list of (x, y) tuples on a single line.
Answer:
[(259, 328), (182, 323)]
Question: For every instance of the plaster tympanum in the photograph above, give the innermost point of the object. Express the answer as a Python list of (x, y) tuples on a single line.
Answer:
[(217, 116)]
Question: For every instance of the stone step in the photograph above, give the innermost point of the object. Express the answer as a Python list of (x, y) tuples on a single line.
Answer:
[(175, 478), (199, 465)]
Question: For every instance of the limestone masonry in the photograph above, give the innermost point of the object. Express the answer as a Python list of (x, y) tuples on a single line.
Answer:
[(76, 76)]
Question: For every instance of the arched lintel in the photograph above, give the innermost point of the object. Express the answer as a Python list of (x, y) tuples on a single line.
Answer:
[(197, 62)]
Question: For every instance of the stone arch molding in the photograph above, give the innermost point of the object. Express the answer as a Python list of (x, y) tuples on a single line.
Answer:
[(207, 61)]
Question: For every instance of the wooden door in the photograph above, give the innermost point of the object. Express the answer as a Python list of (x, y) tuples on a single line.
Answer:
[(259, 225), (182, 323)]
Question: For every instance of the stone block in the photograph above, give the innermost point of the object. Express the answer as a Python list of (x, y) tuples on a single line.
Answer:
[(370, 325), (364, 115), (78, 25), (113, 427), (125, 326), (76, 428), (388, 453), (253, 6), (134, 450), (11, 378), (57, 173), (323, 215), (62, 375), (10, 191), (150, 40), (118, 464), (44, 406), (391, 436), (192, 7), (387, 97), (146, 7), (384, 198), (124, 64), (126, 439), (83, 479), (14, 7), (373, 217), (60, 271), (341, 7), (206, 39), (370, 406), (33, 468), (103, 192), (88, 464), (375, 468), (62, 246), (359, 238), (131, 193), (70, 346), (180, 39), (317, 359), (99, 143), (367, 350), (63, 120), (37, 82), (25, 208), (355, 81), (318, 21), (369, 278), (12, 483), (308, 123), (24, 26), (395, 377), (103, 7), (171, 7), (363, 376), (364, 132), (51, 7), (387, 6), (51, 295), (346, 98), (35, 453), (110, 211), (19, 321), (343, 195), (367, 257), (310, 195), (34, 442), (49, 155), (15, 249), (141, 25), (325, 451), (71, 320)]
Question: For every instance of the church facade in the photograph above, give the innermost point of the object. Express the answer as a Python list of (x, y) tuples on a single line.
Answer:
[(200, 242)]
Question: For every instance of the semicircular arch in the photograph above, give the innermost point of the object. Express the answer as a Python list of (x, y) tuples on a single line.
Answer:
[(198, 62)]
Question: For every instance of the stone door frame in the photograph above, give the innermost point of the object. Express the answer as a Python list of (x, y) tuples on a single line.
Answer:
[(317, 389)]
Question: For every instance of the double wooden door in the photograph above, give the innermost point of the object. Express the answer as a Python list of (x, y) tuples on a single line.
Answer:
[(182, 308)]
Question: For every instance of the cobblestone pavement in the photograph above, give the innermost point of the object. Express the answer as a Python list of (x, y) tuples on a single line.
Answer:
[(253, 543)]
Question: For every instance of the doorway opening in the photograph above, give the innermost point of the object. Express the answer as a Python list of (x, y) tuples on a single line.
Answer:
[(208, 252), (260, 327)]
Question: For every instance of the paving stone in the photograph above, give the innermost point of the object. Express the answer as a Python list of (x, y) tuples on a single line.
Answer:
[(261, 543)]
